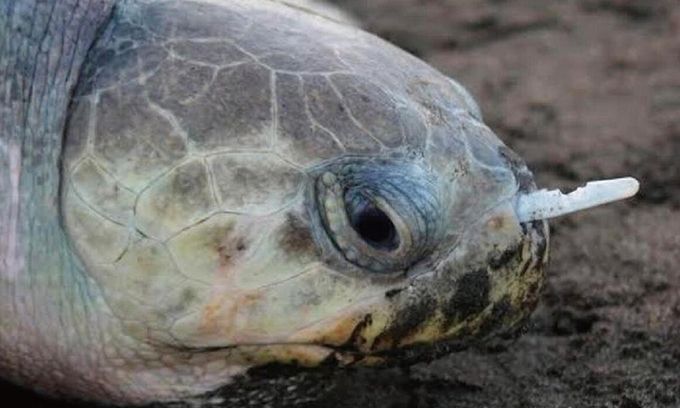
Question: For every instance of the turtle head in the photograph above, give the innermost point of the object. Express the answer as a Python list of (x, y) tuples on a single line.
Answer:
[(439, 252), (434, 245)]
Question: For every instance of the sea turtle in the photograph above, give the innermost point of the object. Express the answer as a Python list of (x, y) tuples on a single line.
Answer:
[(189, 189)]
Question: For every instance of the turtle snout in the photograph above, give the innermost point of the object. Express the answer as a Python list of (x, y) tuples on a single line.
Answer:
[(381, 216)]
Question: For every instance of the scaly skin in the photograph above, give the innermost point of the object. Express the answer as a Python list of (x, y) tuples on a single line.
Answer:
[(197, 222), (47, 329)]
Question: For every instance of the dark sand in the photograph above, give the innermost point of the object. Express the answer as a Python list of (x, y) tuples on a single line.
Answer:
[(582, 89)]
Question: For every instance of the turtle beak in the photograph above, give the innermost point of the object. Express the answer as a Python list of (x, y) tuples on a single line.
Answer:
[(545, 204)]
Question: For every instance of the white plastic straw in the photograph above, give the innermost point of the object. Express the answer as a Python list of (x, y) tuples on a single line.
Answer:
[(544, 204)]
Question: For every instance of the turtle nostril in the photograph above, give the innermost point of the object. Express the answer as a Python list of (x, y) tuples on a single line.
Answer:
[(376, 228)]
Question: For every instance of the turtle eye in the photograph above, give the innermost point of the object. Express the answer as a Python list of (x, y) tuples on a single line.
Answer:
[(380, 216), (373, 225)]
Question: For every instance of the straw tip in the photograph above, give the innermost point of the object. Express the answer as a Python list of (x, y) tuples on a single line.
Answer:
[(629, 186), (634, 185)]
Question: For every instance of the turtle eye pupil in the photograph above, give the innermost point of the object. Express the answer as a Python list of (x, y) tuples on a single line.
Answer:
[(376, 228)]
